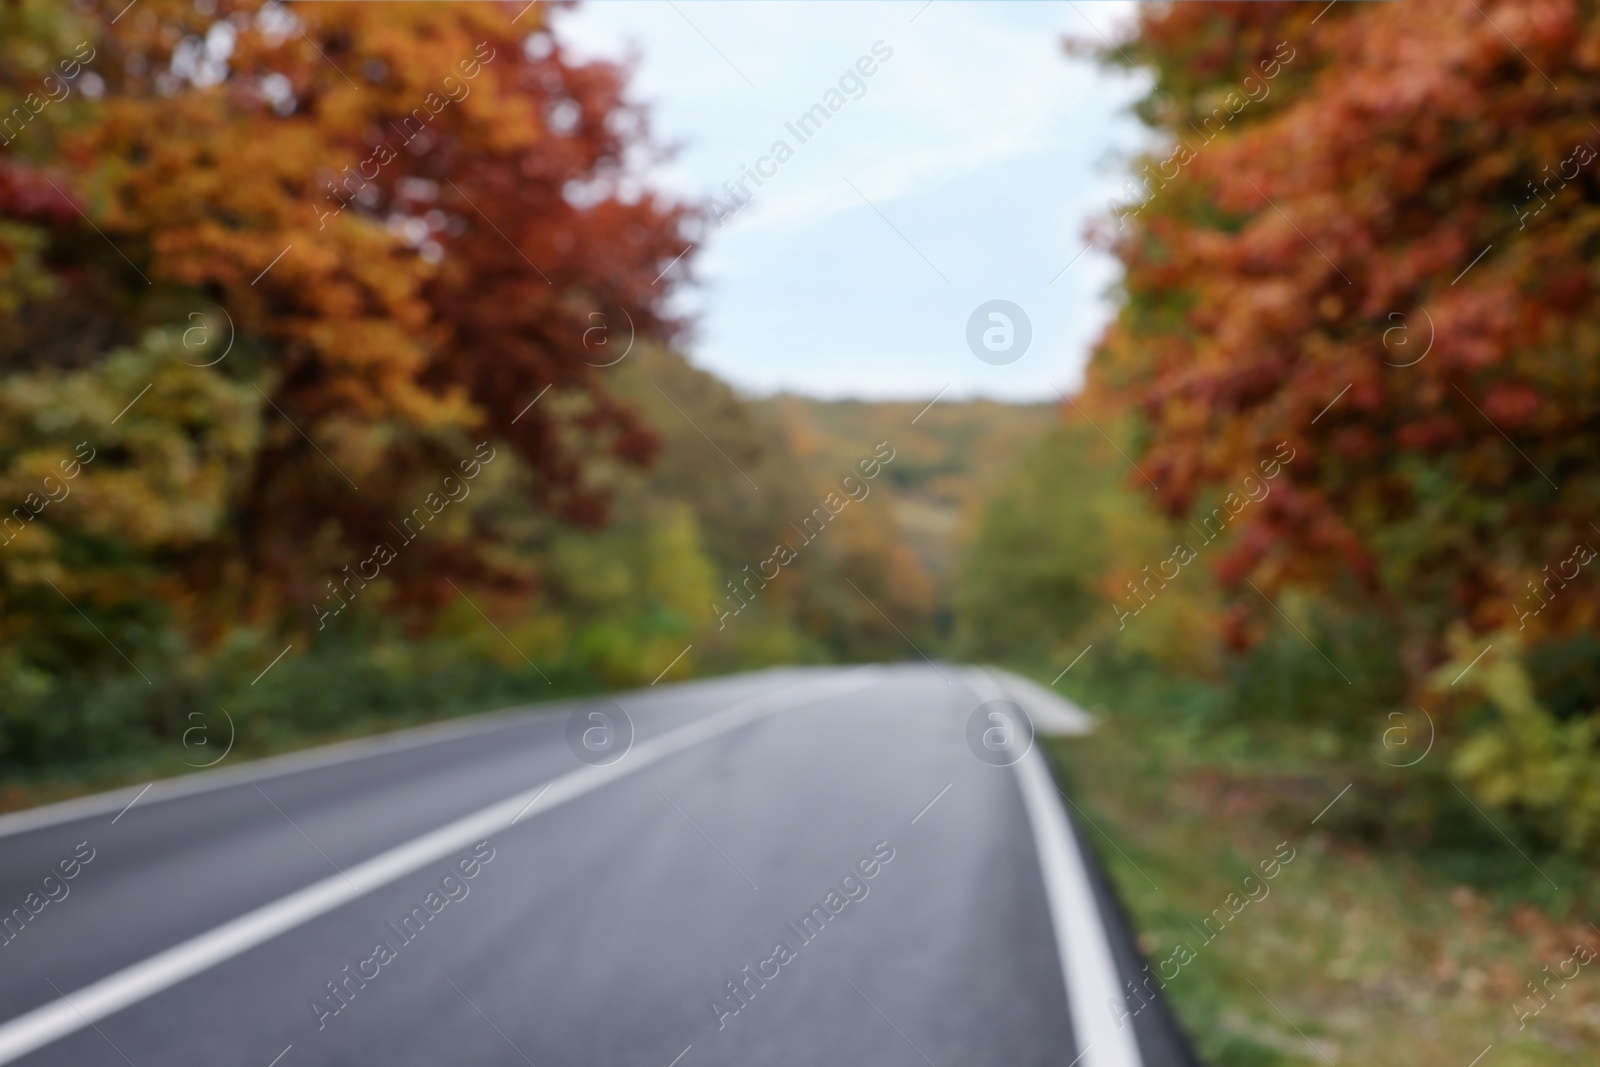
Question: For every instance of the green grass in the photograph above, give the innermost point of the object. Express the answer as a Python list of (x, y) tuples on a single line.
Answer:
[(118, 733), (1381, 944)]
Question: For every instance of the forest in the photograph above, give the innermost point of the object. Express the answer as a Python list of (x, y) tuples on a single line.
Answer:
[(341, 388)]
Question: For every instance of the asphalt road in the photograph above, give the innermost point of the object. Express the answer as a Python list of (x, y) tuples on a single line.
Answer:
[(788, 867)]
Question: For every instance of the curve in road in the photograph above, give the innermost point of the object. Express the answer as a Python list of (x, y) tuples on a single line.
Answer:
[(784, 867)]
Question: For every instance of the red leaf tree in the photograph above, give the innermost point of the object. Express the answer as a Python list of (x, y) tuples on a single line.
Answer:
[(1370, 232)]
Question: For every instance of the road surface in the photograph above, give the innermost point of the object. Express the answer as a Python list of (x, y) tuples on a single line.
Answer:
[(817, 866)]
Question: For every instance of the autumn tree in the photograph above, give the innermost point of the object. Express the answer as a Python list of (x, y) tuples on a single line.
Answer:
[(1369, 232), (384, 230)]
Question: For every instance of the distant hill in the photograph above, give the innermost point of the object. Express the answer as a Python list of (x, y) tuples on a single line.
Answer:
[(947, 463), (742, 479)]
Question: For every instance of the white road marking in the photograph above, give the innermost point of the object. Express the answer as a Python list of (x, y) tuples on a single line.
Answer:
[(1047, 709), (132, 802), (93, 1002), (271, 767), (1087, 966)]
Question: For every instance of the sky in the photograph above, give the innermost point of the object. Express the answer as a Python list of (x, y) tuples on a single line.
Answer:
[(963, 170)]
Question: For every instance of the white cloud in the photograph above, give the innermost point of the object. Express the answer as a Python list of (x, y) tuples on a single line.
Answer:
[(980, 141)]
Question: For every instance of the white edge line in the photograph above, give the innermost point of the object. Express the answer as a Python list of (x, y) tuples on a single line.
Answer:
[(1088, 968), (271, 767), (280, 1056), (43, 1025), (1047, 710), (1087, 965)]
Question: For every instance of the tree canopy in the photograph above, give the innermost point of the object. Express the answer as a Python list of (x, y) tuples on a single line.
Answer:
[(1369, 232), (344, 246)]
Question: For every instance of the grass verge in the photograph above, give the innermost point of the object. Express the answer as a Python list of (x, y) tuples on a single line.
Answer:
[(1370, 945), (126, 732)]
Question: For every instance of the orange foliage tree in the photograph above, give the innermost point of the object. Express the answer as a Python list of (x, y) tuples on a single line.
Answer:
[(1371, 232), (408, 221)]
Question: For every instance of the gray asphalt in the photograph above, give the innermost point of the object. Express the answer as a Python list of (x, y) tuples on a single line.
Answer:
[(602, 931)]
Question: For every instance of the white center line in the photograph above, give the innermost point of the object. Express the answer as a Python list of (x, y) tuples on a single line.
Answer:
[(530, 804), (90, 1022), (132, 802), (53, 1021)]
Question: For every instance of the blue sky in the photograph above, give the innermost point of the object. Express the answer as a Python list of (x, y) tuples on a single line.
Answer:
[(963, 170)]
